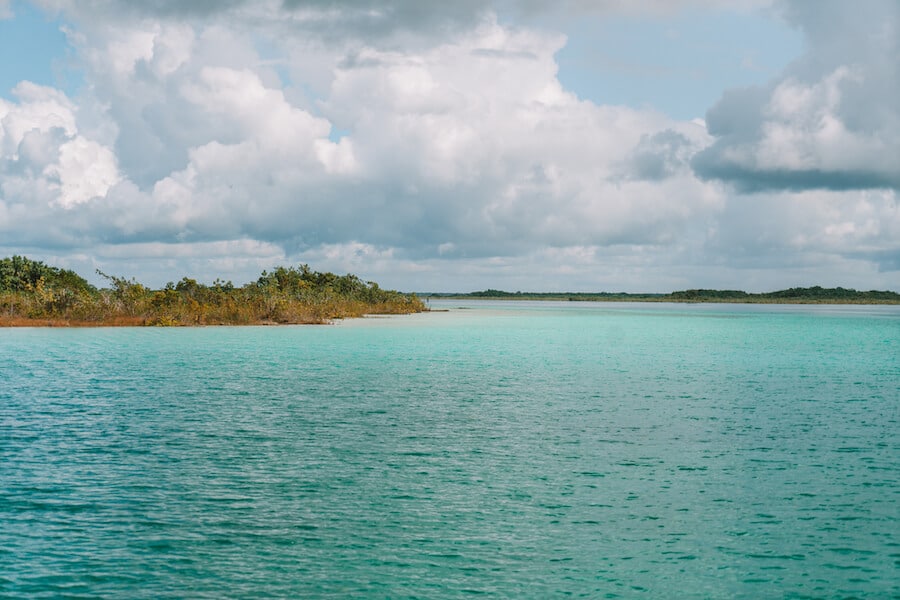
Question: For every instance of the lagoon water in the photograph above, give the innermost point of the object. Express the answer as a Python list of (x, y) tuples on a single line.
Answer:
[(519, 450)]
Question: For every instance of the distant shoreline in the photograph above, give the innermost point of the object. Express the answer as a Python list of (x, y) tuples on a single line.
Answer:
[(670, 301), (813, 295)]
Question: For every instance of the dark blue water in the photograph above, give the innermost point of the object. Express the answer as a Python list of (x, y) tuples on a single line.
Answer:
[(508, 450)]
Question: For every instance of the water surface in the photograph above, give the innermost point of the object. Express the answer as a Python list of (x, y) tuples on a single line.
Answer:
[(509, 449)]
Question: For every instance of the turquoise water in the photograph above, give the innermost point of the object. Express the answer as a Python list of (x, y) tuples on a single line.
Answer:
[(507, 449)]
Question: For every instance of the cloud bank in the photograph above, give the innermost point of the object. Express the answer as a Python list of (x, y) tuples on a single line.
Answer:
[(435, 149), (831, 121)]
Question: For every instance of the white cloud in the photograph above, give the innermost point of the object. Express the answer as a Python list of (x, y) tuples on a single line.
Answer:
[(473, 141), (39, 109), (256, 112), (831, 120), (209, 141), (85, 170), (804, 129), (43, 158), (849, 238)]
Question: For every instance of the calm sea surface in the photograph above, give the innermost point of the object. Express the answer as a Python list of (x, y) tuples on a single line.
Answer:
[(519, 450)]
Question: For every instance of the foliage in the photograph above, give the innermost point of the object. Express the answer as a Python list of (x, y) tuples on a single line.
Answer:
[(708, 295), (20, 274), (33, 292), (571, 296), (811, 295)]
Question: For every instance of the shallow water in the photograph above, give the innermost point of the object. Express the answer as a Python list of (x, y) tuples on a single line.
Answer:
[(507, 449)]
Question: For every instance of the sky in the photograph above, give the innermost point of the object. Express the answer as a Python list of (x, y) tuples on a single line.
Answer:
[(575, 145)]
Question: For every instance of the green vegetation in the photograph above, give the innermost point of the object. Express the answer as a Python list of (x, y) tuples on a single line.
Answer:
[(32, 293), (811, 295)]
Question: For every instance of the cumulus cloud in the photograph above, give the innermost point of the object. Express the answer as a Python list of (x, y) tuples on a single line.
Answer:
[(663, 154), (467, 148), (831, 121), (207, 141), (491, 152), (42, 154), (85, 170), (378, 16), (331, 20)]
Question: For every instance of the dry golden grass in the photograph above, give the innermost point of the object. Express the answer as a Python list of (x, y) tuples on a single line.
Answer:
[(282, 312), (15, 321)]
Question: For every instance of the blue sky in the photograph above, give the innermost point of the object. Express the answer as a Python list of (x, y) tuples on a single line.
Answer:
[(679, 64), (36, 50), (579, 145)]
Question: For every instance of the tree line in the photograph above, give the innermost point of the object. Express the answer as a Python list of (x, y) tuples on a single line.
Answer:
[(805, 295), (32, 292), (796, 295)]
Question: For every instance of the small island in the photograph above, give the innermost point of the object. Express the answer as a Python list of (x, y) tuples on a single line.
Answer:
[(35, 294)]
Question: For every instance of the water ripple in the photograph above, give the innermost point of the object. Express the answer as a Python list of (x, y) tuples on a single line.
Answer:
[(535, 453)]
